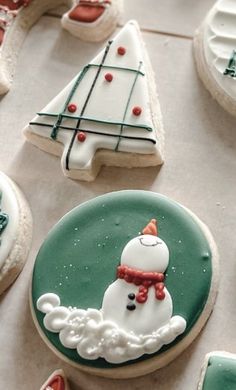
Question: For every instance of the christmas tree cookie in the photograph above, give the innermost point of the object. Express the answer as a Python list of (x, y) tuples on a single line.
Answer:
[(218, 372), (215, 53), (123, 298), (15, 231), (16, 18), (108, 115), (93, 20), (56, 381)]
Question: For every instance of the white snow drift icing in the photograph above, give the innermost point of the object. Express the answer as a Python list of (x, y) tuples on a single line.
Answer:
[(94, 337)]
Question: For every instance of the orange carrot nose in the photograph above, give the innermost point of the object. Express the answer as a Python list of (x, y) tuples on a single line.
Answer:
[(151, 228)]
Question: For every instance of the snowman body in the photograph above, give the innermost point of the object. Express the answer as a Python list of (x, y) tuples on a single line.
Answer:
[(147, 253)]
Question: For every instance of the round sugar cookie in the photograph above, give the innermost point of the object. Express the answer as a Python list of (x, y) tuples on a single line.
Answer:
[(16, 19), (131, 278), (15, 231), (215, 53)]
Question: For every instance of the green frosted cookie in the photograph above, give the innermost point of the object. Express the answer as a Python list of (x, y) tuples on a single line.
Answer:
[(123, 283), (218, 372)]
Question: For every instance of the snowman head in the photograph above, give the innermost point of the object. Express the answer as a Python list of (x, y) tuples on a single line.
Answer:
[(146, 252)]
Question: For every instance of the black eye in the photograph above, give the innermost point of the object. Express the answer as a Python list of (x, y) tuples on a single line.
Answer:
[(130, 307), (131, 296)]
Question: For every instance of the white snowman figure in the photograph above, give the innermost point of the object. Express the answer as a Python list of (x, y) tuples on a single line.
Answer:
[(136, 316), (138, 301)]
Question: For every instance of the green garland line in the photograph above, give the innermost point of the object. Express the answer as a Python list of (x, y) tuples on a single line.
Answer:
[(231, 68), (4, 218), (119, 68), (96, 132), (81, 75), (60, 116), (83, 118)]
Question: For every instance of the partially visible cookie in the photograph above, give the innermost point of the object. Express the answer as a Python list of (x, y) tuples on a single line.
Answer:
[(93, 20), (16, 18), (109, 114), (15, 231), (56, 381), (215, 53), (218, 371)]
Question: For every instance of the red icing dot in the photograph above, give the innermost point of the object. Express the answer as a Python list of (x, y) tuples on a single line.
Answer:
[(121, 50), (160, 295), (128, 278), (147, 283), (81, 136), (141, 298), (137, 110), (137, 281), (160, 286), (143, 289), (72, 107), (108, 77)]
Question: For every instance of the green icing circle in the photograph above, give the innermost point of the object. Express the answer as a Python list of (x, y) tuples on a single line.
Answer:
[(79, 257)]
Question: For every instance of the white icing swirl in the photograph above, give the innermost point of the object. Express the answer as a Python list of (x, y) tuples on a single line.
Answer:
[(220, 41), (94, 337)]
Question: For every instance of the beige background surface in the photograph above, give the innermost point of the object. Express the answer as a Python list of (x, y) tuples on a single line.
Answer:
[(199, 172)]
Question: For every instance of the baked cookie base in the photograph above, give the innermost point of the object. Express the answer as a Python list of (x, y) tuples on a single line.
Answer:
[(205, 74), (19, 252), (102, 157), (16, 34), (163, 359), (98, 30)]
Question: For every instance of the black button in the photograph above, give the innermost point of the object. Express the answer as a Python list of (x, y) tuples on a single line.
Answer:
[(131, 296), (131, 306)]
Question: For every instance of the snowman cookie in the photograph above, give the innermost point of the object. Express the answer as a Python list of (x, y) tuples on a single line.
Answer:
[(93, 20), (215, 53), (123, 298), (16, 18), (15, 231), (108, 115), (218, 371), (56, 381)]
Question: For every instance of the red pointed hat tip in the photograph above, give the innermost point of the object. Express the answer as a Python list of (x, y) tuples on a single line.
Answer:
[(57, 383), (151, 228)]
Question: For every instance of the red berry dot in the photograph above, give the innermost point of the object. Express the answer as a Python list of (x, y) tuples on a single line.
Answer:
[(121, 50), (160, 295), (72, 107), (81, 136), (137, 110), (140, 298), (108, 77)]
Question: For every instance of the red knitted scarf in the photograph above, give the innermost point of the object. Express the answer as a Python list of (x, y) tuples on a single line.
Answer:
[(144, 280)]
